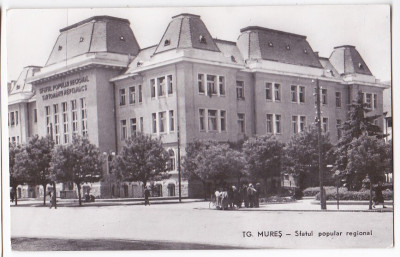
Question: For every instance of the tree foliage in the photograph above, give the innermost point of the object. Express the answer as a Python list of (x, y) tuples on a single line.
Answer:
[(79, 162), (302, 155), (142, 158), (369, 157), (264, 157), (358, 124), (33, 160), (16, 176)]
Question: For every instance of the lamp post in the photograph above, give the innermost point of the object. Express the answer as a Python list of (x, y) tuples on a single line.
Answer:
[(320, 172), (109, 157)]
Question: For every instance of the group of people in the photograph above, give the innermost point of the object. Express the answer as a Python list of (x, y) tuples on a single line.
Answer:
[(231, 196)]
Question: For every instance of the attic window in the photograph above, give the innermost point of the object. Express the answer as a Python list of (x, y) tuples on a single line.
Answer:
[(59, 48), (122, 38), (288, 47), (167, 42), (360, 66), (81, 39), (233, 59), (139, 63), (18, 86), (270, 44), (202, 39), (305, 51)]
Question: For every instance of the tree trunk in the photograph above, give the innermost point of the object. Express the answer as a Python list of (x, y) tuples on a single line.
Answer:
[(266, 187), (44, 194), (78, 185), (370, 194), (54, 195), (205, 190), (15, 195)]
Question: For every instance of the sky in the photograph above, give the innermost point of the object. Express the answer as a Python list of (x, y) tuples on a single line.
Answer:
[(31, 34)]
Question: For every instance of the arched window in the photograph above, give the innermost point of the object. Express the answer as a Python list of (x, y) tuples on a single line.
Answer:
[(171, 161)]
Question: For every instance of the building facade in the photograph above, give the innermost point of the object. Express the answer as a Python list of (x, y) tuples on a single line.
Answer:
[(99, 83)]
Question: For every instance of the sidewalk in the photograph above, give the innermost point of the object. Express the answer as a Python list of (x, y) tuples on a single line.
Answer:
[(306, 204)]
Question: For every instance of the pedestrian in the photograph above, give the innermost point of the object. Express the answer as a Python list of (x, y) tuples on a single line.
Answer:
[(378, 199), (257, 195), (245, 196), (12, 195), (230, 196), (52, 200), (146, 196), (251, 195)]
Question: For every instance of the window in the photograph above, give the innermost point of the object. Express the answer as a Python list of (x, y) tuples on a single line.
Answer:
[(269, 124), (338, 99), (74, 117), (293, 93), (339, 128), (325, 125), (268, 93), (140, 93), (375, 101), (202, 39), (302, 94), (65, 122), (16, 118), (133, 127), (240, 90), (221, 83), (223, 120), (12, 118), (277, 124), (124, 132), (35, 115), (132, 95), (161, 120), (171, 161), (212, 120), (167, 42), (170, 85), (84, 117), (153, 88), (122, 97), (154, 122), (324, 96), (202, 120), (302, 123), (56, 124), (277, 92), (48, 122), (368, 100), (161, 86), (200, 82), (211, 86), (294, 124), (171, 121), (241, 122), (141, 124)]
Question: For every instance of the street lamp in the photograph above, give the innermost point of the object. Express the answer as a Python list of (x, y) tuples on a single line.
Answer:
[(109, 157), (318, 121)]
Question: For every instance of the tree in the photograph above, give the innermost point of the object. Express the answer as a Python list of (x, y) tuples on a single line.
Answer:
[(301, 156), (358, 124), (16, 176), (264, 157), (142, 158), (368, 156), (33, 160), (80, 162)]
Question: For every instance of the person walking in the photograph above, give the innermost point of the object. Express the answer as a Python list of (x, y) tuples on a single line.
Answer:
[(378, 199), (245, 196), (52, 200), (146, 196)]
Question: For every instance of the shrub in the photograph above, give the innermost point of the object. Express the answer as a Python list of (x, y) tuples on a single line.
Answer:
[(362, 195), (313, 191)]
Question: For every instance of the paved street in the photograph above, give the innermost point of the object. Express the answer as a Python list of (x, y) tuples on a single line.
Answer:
[(194, 223)]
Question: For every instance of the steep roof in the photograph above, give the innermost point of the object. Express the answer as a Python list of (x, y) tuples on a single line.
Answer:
[(96, 34), (186, 31), (347, 60), (273, 45), (20, 85)]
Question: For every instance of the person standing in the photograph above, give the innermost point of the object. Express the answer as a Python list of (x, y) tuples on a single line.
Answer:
[(146, 196), (52, 200)]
